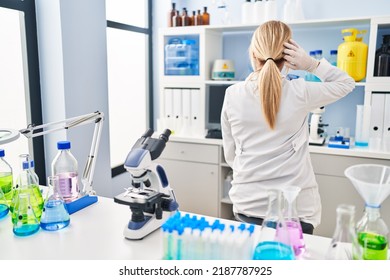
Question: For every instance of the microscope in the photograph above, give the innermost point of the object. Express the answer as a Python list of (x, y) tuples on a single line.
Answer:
[(150, 197), (316, 136)]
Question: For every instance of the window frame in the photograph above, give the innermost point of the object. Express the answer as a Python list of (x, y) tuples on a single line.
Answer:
[(34, 86), (117, 170)]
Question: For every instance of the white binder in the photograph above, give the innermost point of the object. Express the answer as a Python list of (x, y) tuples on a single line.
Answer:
[(167, 120), (186, 112), (177, 110), (195, 113), (386, 119), (377, 115)]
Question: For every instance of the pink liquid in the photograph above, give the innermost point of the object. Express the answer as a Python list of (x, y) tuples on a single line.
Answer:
[(68, 185), (296, 237)]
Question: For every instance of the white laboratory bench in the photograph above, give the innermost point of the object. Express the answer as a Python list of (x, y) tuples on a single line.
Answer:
[(96, 233)]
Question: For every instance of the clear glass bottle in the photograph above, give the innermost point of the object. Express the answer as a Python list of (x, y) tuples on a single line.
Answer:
[(55, 216), (26, 183), (6, 177), (26, 222), (293, 223), (274, 240), (372, 234), (344, 244), (65, 166)]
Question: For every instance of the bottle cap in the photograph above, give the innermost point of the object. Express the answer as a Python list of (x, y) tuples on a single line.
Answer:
[(32, 164), (333, 52), (2, 153), (25, 165), (311, 53), (63, 145)]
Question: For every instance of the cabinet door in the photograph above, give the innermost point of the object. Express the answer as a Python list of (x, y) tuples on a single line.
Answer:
[(195, 185)]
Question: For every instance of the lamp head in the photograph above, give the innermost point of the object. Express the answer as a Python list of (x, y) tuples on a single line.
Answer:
[(8, 135)]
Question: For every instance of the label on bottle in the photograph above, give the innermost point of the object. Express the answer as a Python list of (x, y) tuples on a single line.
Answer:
[(68, 185)]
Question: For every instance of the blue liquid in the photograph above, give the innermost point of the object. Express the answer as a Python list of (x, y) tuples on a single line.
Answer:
[(273, 250), (54, 216), (26, 230), (4, 209)]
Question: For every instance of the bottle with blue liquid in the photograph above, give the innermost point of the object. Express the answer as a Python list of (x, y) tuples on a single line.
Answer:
[(274, 241), (54, 215)]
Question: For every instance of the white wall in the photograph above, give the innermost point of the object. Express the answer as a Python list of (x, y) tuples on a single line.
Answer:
[(73, 69)]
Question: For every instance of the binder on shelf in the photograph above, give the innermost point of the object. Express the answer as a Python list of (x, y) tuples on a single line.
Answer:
[(386, 124), (377, 115), (195, 112), (177, 110), (186, 111), (168, 108)]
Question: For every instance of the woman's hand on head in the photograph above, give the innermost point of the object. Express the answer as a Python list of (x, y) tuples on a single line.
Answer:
[(297, 58)]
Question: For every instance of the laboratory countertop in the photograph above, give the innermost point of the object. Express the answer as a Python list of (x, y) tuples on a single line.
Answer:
[(96, 233), (353, 151)]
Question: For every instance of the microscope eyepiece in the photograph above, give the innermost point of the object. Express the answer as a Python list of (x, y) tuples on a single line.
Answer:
[(165, 135)]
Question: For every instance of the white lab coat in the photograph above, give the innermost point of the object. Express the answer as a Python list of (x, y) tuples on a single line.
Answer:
[(262, 158)]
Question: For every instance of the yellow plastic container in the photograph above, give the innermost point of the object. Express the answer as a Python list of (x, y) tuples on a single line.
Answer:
[(352, 54)]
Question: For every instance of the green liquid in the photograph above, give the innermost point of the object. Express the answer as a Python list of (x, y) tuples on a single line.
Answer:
[(36, 201), (6, 186), (374, 246)]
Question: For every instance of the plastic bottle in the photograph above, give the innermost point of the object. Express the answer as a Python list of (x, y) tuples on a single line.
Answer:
[(247, 12), (65, 166), (382, 58), (310, 77), (259, 12), (6, 177), (344, 244), (333, 57), (205, 17), (171, 14)]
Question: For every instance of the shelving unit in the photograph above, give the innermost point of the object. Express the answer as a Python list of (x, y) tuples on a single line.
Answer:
[(216, 42)]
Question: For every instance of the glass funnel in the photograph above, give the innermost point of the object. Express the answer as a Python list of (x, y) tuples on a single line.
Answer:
[(54, 214), (293, 223), (274, 241), (372, 182), (25, 222)]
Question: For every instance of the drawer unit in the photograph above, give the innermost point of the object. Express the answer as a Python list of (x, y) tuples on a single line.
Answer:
[(191, 152)]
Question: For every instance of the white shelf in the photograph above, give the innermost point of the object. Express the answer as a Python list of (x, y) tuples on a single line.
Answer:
[(226, 200), (221, 82)]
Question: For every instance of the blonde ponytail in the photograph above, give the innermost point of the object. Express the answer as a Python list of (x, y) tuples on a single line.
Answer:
[(266, 54)]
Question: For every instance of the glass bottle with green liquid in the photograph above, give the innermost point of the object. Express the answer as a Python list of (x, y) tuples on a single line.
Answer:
[(27, 183), (6, 178), (372, 181)]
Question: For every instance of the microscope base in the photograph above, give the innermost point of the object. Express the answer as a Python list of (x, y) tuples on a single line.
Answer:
[(317, 142), (151, 225)]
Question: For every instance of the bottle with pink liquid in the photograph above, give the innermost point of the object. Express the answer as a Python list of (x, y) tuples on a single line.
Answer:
[(65, 166), (293, 224)]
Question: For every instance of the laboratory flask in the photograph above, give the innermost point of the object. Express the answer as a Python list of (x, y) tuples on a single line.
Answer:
[(344, 244), (293, 223), (55, 216), (6, 177), (25, 222), (4, 208), (274, 240), (372, 181), (26, 183), (65, 166)]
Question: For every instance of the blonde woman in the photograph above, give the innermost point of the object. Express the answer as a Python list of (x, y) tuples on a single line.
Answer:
[(265, 127)]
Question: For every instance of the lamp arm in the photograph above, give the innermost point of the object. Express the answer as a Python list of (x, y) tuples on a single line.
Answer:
[(97, 117)]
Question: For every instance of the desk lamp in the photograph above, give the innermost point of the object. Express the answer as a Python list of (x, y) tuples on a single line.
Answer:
[(87, 195)]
